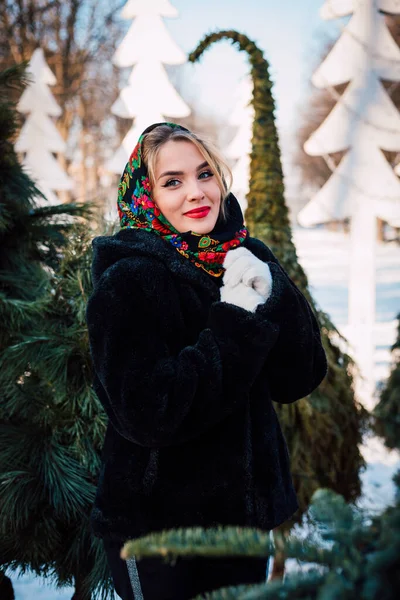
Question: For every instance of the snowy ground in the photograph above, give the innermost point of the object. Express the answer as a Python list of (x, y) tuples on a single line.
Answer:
[(324, 256)]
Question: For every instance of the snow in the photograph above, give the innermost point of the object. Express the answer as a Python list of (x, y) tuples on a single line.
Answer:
[(28, 586), (325, 257)]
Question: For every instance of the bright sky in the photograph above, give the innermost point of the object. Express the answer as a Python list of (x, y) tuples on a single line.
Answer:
[(290, 32)]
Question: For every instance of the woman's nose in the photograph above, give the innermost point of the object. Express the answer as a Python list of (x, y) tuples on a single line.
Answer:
[(195, 191)]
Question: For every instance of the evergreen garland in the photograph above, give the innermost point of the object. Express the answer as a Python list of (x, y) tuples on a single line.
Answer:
[(323, 431)]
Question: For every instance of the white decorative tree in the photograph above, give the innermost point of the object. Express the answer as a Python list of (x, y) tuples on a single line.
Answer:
[(39, 138), (149, 96), (363, 186), (240, 147)]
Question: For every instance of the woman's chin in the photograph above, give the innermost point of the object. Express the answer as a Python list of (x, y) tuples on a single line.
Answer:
[(202, 228)]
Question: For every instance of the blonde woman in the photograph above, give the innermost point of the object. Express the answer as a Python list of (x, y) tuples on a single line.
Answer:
[(194, 330)]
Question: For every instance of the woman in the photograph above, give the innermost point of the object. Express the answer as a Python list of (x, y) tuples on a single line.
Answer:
[(194, 329)]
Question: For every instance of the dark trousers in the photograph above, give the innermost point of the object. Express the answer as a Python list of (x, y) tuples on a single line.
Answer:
[(153, 579)]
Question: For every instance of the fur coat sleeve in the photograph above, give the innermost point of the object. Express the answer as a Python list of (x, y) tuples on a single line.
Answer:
[(156, 390), (297, 362)]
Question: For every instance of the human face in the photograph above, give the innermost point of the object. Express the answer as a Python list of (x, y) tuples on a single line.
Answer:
[(186, 190)]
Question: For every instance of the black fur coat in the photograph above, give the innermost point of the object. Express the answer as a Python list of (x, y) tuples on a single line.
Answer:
[(187, 382)]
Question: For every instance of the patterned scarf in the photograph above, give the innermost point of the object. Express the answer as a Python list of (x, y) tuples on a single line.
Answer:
[(137, 210)]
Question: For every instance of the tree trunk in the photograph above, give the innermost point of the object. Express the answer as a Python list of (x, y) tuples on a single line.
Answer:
[(381, 230), (278, 567)]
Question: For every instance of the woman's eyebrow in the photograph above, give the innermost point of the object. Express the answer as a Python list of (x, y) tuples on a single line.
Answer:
[(169, 173)]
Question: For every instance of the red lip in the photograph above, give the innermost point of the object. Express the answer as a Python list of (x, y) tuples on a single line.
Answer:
[(198, 213)]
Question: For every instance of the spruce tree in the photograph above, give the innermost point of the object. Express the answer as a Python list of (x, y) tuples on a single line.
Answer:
[(51, 425), (323, 431)]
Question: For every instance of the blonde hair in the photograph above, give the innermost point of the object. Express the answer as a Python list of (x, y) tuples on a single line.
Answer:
[(155, 139)]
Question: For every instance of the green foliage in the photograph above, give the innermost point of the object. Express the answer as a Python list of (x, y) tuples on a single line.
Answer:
[(323, 431), (51, 432), (387, 412), (51, 423), (30, 236)]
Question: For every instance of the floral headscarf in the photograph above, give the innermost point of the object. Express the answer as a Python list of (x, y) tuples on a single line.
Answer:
[(137, 210)]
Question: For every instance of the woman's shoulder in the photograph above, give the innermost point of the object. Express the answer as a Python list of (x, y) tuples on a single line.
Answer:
[(127, 254), (259, 249), (145, 255)]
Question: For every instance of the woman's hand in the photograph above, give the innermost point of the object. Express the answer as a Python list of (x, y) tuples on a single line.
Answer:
[(247, 279), (241, 266), (241, 295)]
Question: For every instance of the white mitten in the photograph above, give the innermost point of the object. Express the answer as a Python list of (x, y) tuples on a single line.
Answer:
[(242, 266), (241, 295)]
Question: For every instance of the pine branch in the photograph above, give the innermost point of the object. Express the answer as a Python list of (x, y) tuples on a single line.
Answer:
[(77, 209), (15, 77), (290, 590), (16, 312), (220, 541)]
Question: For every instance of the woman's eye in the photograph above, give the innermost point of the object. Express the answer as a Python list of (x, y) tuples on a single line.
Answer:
[(207, 174), (171, 183)]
